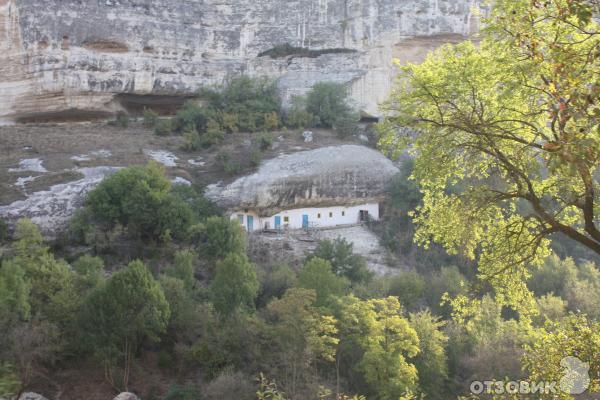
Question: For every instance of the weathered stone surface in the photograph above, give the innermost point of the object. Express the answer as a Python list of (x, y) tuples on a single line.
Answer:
[(31, 396), (52, 209), (88, 58), (126, 396), (347, 174)]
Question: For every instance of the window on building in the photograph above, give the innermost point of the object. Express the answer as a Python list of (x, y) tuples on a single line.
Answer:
[(286, 219), (241, 218), (343, 213), (330, 214), (319, 215)]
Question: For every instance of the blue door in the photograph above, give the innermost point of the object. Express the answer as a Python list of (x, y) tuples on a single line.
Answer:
[(250, 224), (305, 221), (277, 222)]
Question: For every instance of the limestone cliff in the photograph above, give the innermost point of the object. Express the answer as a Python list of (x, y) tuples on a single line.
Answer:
[(337, 175), (89, 58)]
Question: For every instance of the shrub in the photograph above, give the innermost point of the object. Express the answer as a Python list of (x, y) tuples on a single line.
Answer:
[(122, 120), (192, 116), (271, 121), (214, 135), (265, 141), (328, 101), (140, 199), (219, 236), (245, 104), (227, 164), (163, 127), (202, 207), (409, 287), (297, 116), (150, 118), (346, 125), (192, 140), (255, 157), (340, 253)]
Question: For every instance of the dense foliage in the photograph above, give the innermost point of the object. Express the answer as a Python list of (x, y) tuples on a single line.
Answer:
[(507, 143)]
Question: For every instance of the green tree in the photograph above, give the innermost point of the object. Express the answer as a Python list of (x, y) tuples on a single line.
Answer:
[(235, 286), (431, 361), (301, 335), (339, 252), (14, 296), (318, 276), (387, 341), (140, 199), (219, 236), (130, 307), (409, 287), (507, 145), (183, 268), (575, 336)]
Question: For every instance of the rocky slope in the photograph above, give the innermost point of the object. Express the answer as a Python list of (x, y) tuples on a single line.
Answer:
[(78, 59)]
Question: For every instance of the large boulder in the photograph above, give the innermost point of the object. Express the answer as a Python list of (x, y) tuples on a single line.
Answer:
[(336, 175), (77, 59)]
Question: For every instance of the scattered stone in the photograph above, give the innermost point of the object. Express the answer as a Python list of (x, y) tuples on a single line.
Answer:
[(126, 396), (363, 138), (162, 156), (81, 158), (29, 165), (181, 181), (197, 162), (102, 153), (31, 396), (308, 136)]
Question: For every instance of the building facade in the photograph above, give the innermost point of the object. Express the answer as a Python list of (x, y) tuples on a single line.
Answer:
[(307, 218)]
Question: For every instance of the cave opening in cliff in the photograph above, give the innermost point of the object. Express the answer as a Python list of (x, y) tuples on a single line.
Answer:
[(135, 104)]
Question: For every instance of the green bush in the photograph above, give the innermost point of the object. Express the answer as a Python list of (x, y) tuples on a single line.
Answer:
[(140, 199), (122, 120), (228, 165), (255, 157), (265, 141), (164, 127), (150, 118), (297, 117), (193, 116), (191, 137), (328, 101), (340, 253), (244, 104), (346, 125), (219, 236), (214, 135)]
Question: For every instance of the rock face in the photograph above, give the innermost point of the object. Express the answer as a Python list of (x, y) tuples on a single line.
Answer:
[(347, 175), (77, 59), (52, 209)]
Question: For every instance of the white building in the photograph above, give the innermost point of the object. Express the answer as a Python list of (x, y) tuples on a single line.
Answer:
[(326, 187), (306, 218)]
